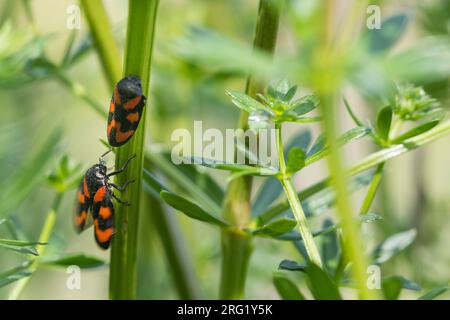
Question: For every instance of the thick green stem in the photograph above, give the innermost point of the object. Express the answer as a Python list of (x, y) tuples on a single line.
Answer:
[(237, 245), (103, 39), (138, 53), (44, 237), (352, 243), (294, 202)]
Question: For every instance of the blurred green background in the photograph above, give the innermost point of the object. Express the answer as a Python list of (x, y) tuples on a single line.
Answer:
[(39, 112)]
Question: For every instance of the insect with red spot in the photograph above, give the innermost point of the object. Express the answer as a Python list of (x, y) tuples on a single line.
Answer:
[(125, 110), (94, 202)]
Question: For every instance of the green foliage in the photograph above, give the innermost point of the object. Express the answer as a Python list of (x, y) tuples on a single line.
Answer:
[(190, 209), (413, 103), (79, 259), (286, 288)]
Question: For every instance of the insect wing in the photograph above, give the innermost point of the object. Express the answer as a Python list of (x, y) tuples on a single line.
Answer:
[(125, 110), (83, 206), (103, 214)]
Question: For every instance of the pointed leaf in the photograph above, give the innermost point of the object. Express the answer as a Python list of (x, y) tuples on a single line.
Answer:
[(291, 266), (393, 245), (321, 285), (296, 160), (435, 292), (388, 34), (356, 120), (246, 103), (276, 228), (79, 259), (384, 119), (190, 209), (286, 288), (416, 131)]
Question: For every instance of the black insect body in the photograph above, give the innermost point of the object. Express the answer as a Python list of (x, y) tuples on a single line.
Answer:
[(125, 110), (94, 202)]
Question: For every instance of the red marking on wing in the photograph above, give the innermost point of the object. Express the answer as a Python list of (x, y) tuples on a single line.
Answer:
[(129, 105)]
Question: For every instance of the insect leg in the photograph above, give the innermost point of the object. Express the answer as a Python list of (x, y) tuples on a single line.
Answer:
[(121, 188), (123, 168), (120, 201)]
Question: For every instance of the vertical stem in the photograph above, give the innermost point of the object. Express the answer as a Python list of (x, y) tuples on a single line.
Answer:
[(326, 79), (237, 245), (372, 190), (103, 39), (294, 202), (138, 53), (353, 247), (44, 237)]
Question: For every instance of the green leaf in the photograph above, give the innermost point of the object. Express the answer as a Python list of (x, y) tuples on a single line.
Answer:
[(291, 266), (26, 247), (79, 259), (151, 183), (353, 134), (300, 107), (320, 284), (275, 228), (350, 135), (187, 179), (435, 292), (246, 103), (296, 160), (286, 288), (267, 194), (384, 119), (330, 245), (318, 145), (190, 209), (393, 245), (302, 139), (391, 30), (19, 243), (356, 120), (235, 167), (416, 131), (392, 287), (15, 274), (370, 217), (24, 180), (282, 92)]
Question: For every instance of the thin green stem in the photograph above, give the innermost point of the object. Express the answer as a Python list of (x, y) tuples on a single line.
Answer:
[(237, 245), (103, 39), (138, 53), (79, 91), (44, 237), (370, 161), (297, 210), (372, 190)]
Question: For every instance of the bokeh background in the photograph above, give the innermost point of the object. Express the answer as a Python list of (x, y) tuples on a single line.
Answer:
[(40, 112)]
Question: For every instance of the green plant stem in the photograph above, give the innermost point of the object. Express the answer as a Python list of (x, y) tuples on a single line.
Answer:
[(370, 161), (181, 268), (80, 91), (372, 190), (236, 244), (103, 39), (44, 237), (138, 53), (353, 247), (297, 210)]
